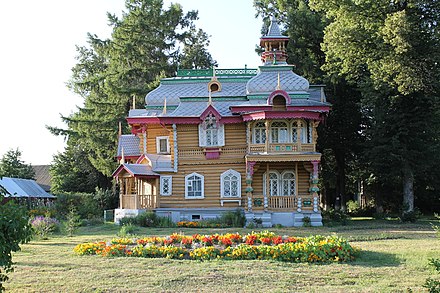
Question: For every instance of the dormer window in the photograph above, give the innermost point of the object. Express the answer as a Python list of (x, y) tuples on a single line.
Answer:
[(279, 103), (211, 133), (214, 86)]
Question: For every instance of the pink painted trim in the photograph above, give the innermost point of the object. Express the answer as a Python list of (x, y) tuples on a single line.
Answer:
[(251, 165), (279, 93), (315, 168), (281, 115), (208, 110), (246, 109), (122, 167), (212, 154)]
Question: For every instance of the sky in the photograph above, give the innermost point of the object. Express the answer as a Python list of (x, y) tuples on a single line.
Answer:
[(37, 52)]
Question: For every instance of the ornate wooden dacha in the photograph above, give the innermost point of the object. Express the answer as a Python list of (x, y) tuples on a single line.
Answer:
[(214, 140)]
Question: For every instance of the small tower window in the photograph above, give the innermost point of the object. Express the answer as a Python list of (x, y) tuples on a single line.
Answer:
[(279, 103)]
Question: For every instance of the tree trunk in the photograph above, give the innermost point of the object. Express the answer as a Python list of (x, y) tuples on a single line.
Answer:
[(408, 189), (340, 182)]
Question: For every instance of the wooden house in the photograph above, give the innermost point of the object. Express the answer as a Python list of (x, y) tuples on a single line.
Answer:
[(214, 140)]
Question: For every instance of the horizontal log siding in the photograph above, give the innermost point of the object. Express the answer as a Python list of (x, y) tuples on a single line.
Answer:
[(192, 159), (211, 175), (153, 131)]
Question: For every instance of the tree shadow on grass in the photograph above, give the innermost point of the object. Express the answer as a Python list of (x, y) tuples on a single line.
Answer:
[(368, 258)]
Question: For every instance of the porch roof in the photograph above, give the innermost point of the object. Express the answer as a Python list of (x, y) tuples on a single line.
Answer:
[(136, 170)]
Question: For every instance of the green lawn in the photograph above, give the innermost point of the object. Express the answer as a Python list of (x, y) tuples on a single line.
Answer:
[(394, 258)]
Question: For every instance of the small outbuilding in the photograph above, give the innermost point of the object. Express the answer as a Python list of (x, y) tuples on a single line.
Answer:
[(26, 191)]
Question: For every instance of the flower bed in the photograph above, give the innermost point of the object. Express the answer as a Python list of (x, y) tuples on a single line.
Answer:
[(256, 245)]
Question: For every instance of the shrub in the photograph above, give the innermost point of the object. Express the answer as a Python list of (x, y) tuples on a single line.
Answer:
[(127, 230), (235, 219), (44, 226), (411, 217), (307, 222), (353, 207), (335, 216), (147, 219), (72, 222), (433, 285)]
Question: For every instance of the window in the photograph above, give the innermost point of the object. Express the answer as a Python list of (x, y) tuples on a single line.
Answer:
[(211, 133), (294, 132), (279, 132), (162, 145), (259, 133), (194, 186), (288, 183), (166, 184), (306, 132), (280, 185), (230, 184), (274, 184)]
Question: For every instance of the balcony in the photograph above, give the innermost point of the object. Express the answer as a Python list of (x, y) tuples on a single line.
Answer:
[(134, 201), (282, 148), (283, 203)]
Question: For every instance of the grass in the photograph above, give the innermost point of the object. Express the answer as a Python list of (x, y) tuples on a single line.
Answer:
[(394, 258)]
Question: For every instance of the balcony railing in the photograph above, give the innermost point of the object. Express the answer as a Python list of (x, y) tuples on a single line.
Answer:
[(134, 201), (282, 202), (283, 148)]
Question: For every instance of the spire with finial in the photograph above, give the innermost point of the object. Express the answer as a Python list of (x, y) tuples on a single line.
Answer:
[(134, 102), (120, 129), (164, 110), (122, 156), (274, 44), (278, 83)]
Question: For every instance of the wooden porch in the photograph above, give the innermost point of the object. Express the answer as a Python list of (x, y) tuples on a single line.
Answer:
[(139, 193)]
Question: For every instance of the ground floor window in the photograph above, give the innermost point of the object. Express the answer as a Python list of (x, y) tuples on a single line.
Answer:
[(280, 184), (166, 184), (230, 184), (194, 186)]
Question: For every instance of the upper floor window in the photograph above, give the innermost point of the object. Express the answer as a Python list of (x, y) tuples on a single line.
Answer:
[(166, 185), (211, 133), (162, 145), (194, 186), (230, 184), (259, 133), (278, 132)]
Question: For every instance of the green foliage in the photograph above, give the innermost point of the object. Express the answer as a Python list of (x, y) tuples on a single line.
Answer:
[(235, 219), (127, 229), (144, 47), (88, 206), (12, 166), (334, 216), (433, 285), (436, 227), (14, 230), (147, 219), (388, 49), (307, 222), (44, 226), (353, 207), (411, 216), (72, 222)]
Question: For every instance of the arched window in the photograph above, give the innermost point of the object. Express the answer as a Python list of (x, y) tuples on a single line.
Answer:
[(274, 184), (230, 184), (279, 103), (211, 133), (288, 183), (259, 133), (194, 186), (278, 132)]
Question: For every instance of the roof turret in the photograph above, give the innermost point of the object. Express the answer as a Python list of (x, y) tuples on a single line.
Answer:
[(274, 44)]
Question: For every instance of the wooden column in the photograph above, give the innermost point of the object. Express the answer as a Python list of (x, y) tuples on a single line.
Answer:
[(298, 134), (266, 196), (136, 196), (266, 148), (156, 193), (248, 137), (121, 192)]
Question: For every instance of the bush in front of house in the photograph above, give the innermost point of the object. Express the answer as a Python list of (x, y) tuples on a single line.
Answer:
[(148, 219), (44, 226)]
